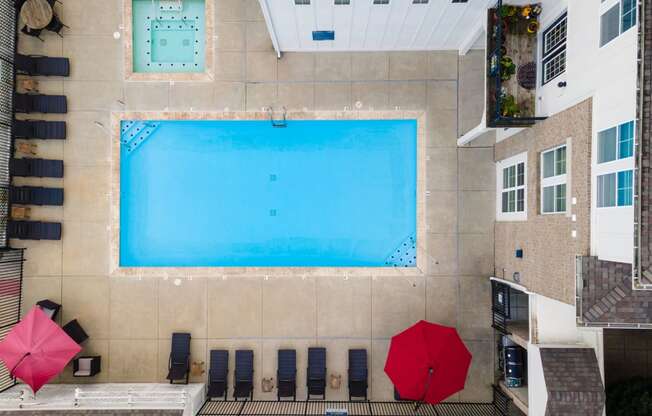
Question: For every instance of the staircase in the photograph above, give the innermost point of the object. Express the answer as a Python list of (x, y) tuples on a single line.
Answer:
[(170, 5), (134, 133), (405, 255)]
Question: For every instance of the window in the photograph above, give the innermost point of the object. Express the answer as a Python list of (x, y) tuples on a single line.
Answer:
[(616, 143), (628, 17), (617, 20), (302, 2), (511, 178), (419, 1), (342, 2), (553, 180), (554, 49), (381, 1), (615, 189)]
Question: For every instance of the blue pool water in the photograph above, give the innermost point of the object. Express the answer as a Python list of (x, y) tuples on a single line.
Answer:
[(243, 193), (168, 35)]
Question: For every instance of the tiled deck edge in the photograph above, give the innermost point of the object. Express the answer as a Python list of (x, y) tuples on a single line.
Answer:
[(114, 233)]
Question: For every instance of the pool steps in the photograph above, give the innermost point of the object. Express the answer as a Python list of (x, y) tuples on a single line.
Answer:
[(405, 255), (134, 133)]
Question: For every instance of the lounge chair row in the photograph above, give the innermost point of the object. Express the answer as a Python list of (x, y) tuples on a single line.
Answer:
[(38, 129), (286, 374), (35, 195)]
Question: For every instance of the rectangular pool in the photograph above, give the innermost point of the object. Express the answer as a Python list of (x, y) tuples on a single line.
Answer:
[(244, 193)]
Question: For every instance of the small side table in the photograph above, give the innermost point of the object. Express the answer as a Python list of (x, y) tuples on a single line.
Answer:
[(28, 85), (88, 366), (20, 213), (26, 148), (36, 14)]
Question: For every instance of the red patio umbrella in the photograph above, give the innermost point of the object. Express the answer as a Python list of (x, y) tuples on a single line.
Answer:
[(427, 362), (37, 349)]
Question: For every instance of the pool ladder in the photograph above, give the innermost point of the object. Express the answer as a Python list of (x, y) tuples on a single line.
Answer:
[(275, 122)]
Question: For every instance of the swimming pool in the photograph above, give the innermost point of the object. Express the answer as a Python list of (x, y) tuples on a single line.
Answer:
[(242, 193), (168, 35)]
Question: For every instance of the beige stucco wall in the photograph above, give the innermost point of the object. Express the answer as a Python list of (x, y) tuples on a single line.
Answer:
[(548, 265)]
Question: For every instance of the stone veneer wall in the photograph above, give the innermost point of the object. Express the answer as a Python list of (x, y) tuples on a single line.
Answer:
[(548, 265)]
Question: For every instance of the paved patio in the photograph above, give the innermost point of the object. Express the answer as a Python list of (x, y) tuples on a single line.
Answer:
[(130, 320)]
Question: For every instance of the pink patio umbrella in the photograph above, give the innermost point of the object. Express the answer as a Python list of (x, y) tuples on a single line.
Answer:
[(37, 349)]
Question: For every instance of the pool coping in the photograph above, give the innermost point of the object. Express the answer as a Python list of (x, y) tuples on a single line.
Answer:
[(207, 75), (114, 226)]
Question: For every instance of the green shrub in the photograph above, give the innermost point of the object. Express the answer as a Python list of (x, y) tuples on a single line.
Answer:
[(630, 398)]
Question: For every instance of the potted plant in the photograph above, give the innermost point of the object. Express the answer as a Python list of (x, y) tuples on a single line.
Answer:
[(509, 107), (533, 27), (507, 68)]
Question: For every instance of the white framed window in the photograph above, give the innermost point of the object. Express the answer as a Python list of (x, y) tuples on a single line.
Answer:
[(342, 2), (616, 143), (511, 186), (617, 20), (381, 1), (553, 180), (616, 189), (553, 54), (302, 2)]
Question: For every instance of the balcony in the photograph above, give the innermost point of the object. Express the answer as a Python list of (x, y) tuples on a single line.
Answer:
[(512, 65)]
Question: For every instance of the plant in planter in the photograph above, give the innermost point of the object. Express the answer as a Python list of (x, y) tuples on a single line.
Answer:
[(509, 107), (507, 68)]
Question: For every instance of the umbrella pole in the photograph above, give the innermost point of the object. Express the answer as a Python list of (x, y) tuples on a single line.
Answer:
[(18, 363), (425, 392)]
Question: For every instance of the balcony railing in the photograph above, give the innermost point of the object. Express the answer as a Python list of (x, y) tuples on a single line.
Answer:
[(512, 33)]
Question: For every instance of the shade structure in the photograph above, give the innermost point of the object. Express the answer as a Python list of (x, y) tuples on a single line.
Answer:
[(427, 362), (37, 349)]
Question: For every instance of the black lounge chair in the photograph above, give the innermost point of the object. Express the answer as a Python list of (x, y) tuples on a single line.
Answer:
[(38, 168), (218, 374), (36, 65), (49, 308), (39, 103), (40, 129), (36, 195), (34, 230), (286, 374), (179, 363), (75, 331), (316, 374), (55, 25), (358, 373), (35, 33), (243, 386)]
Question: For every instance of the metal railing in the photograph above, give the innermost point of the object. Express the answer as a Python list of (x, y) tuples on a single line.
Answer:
[(8, 41), (359, 408), (11, 281), (494, 51), (499, 309)]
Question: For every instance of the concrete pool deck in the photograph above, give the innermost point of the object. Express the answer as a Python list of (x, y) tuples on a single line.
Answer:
[(130, 319)]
